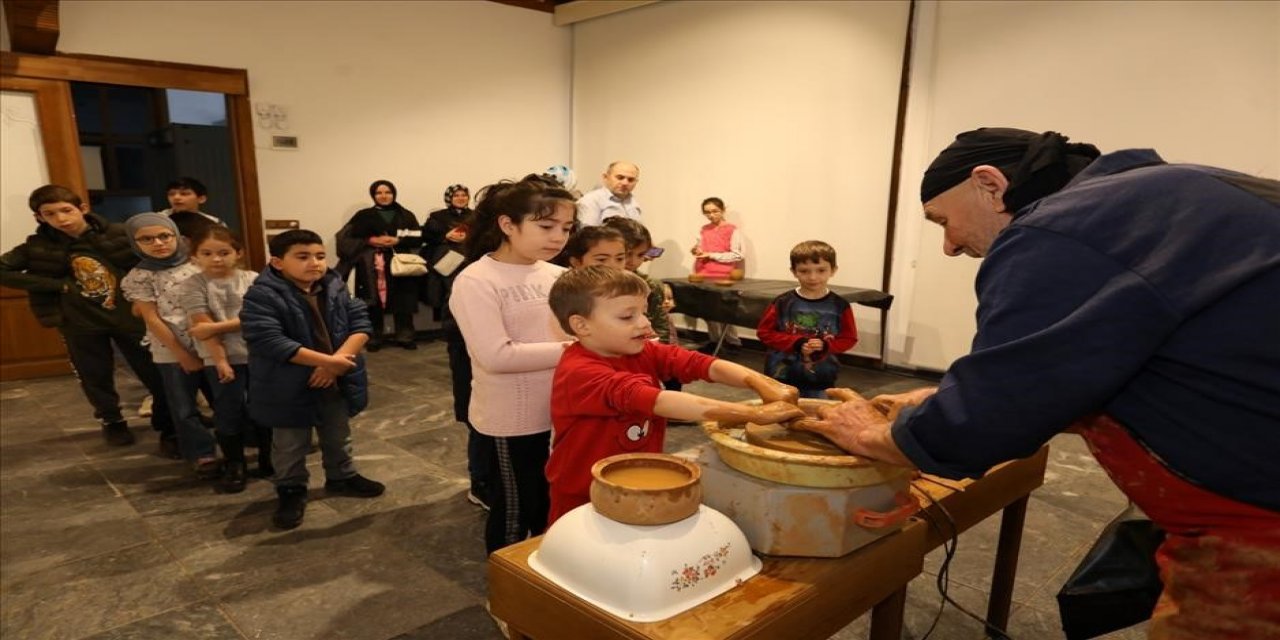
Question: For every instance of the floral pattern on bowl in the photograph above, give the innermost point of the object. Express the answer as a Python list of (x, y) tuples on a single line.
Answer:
[(705, 567)]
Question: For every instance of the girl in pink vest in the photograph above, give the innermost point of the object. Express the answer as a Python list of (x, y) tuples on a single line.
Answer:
[(717, 254)]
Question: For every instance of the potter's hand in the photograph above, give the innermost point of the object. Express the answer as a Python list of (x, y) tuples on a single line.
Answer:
[(893, 404), (771, 390), (856, 426)]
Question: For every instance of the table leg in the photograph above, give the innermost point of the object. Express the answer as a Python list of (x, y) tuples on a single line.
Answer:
[(1006, 568), (724, 331), (886, 617)]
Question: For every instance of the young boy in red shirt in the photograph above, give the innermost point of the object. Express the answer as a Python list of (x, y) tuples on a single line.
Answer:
[(805, 328), (607, 396)]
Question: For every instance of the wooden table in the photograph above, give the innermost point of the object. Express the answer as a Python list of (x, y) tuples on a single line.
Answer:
[(791, 598)]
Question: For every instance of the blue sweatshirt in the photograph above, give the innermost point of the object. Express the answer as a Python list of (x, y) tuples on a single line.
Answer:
[(1147, 291), (276, 322)]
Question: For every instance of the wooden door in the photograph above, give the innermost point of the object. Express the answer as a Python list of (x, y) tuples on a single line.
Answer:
[(26, 349), (39, 146)]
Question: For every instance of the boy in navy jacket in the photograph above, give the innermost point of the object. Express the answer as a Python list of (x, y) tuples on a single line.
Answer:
[(305, 334)]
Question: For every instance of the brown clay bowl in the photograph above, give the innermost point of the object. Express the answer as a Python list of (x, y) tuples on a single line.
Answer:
[(696, 277), (646, 488), (737, 274)]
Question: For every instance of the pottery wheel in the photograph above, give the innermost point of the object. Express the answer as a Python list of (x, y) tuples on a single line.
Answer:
[(780, 438)]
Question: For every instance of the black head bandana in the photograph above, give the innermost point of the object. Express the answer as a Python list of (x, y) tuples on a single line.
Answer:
[(1036, 164)]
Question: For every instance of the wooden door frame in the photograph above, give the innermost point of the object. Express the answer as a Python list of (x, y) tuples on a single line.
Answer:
[(63, 150)]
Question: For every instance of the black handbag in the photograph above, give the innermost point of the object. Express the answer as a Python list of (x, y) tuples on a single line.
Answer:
[(1117, 584)]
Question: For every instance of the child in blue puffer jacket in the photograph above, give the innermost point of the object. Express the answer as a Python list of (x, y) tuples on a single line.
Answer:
[(305, 334)]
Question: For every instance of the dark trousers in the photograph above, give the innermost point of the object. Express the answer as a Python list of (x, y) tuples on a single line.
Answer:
[(479, 446), (403, 324), (230, 406), (520, 497), (95, 363), (290, 445)]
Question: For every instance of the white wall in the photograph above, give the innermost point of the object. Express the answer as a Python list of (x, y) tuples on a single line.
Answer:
[(22, 165), (1197, 81), (424, 94), (786, 110)]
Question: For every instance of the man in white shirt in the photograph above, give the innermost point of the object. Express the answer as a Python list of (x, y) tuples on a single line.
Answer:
[(614, 198)]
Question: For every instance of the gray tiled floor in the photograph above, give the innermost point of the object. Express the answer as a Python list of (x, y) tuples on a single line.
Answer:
[(105, 543)]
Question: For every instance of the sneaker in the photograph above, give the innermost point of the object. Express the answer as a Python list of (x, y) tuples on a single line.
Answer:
[(474, 499), (292, 506), (356, 486), (117, 433), (169, 447), (144, 411), (208, 467)]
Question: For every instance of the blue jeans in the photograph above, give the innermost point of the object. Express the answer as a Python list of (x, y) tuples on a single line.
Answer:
[(230, 406), (820, 394), (180, 390)]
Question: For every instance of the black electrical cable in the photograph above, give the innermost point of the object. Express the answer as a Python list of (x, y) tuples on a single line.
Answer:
[(949, 544)]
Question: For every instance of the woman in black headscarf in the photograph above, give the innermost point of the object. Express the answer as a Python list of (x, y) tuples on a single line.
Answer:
[(444, 231), (366, 245)]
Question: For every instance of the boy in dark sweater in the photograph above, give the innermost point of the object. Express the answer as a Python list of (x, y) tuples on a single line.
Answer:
[(305, 334), (71, 268)]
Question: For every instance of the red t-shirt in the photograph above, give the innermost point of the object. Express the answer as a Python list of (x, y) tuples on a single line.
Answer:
[(604, 406)]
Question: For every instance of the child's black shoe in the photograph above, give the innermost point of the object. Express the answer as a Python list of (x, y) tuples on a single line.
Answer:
[(169, 447), (292, 506), (208, 467), (117, 433), (356, 486), (235, 474)]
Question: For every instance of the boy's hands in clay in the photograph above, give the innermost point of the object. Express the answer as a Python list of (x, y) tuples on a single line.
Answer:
[(771, 390), (760, 414)]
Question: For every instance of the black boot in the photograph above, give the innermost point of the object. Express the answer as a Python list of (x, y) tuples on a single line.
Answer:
[(234, 470), (117, 433), (292, 506), (265, 468)]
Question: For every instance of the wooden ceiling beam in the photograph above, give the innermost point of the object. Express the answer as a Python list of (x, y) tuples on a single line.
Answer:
[(546, 6), (33, 25), (568, 13)]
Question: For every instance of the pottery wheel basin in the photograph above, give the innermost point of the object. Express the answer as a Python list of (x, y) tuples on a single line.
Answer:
[(772, 452)]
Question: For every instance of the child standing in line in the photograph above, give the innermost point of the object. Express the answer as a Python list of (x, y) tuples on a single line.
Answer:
[(305, 333), (596, 246), (607, 398), (804, 329), (639, 244), (152, 287), (500, 302), (71, 268), (717, 253), (212, 300), (186, 195)]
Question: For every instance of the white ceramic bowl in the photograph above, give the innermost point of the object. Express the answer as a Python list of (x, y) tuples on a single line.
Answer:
[(645, 573)]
